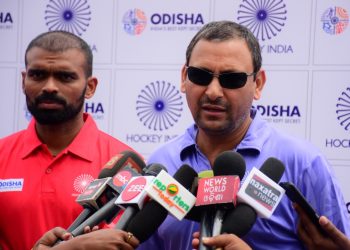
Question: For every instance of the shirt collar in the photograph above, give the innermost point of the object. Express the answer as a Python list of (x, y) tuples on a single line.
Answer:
[(253, 140), (82, 145)]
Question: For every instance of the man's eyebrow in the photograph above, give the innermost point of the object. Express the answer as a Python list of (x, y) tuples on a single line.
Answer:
[(33, 70), (70, 72)]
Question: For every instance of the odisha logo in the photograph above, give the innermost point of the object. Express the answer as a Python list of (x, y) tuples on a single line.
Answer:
[(343, 109), (70, 15), (335, 20), (81, 182), (159, 105), (263, 17), (134, 21)]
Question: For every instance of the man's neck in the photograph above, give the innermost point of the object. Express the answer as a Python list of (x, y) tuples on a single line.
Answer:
[(58, 136), (212, 145)]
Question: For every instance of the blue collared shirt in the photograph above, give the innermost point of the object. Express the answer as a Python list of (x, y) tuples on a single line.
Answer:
[(305, 167)]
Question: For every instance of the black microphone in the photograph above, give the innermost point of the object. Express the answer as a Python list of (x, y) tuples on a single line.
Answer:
[(147, 220), (273, 168), (98, 192), (240, 220), (134, 196)]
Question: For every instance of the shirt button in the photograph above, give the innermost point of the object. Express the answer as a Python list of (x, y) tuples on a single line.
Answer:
[(49, 170)]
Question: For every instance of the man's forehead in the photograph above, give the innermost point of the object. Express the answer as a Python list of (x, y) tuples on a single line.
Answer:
[(38, 57)]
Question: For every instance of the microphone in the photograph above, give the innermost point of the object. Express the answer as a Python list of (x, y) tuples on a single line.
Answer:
[(171, 194), (129, 165), (229, 165), (147, 220), (240, 220), (260, 189), (218, 193), (121, 167), (196, 211), (134, 196)]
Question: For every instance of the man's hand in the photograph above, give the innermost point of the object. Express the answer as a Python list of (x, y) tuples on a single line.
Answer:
[(104, 239), (223, 241), (314, 240), (49, 238)]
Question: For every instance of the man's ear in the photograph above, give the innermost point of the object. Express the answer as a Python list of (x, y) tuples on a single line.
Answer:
[(259, 84), (24, 74), (183, 79), (91, 87)]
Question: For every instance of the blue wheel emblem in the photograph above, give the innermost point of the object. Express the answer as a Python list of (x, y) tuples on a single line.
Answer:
[(159, 105), (343, 109), (70, 15), (265, 18)]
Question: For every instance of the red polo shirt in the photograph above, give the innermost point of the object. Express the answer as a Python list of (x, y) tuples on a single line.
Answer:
[(38, 191)]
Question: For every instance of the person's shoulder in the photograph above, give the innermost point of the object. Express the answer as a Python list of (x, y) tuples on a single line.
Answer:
[(293, 142), (11, 138), (173, 145), (169, 151)]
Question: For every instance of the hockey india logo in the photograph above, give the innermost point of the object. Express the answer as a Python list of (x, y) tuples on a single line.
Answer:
[(159, 106), (264, 18), (81, 182), (73, 16), (343, 109)]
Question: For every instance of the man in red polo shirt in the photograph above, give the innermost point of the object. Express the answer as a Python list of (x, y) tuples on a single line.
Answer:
[(46, 166)]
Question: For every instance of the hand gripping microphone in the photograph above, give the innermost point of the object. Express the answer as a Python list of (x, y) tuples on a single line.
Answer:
[(218, 193), (134, 196), (260, 189), (121, 167), (147, 220)]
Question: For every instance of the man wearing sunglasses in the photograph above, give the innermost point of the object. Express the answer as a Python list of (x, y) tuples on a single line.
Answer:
[(221, 78)]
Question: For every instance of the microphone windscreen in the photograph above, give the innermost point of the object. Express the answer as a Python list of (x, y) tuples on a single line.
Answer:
[(185, 175), (273, 168), (153, 169), (125, 158), (146, 221), (229, 163), (239, 221)]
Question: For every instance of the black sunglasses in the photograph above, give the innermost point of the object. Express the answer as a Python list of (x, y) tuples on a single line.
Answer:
[(229, 80)]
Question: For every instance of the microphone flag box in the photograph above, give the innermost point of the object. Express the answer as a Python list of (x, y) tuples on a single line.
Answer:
[(93, 191), (260, 192), (217, 190), (169, 193), (121, 179), (134, 192)]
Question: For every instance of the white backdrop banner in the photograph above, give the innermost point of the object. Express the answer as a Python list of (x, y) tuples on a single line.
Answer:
[(139, 49)]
